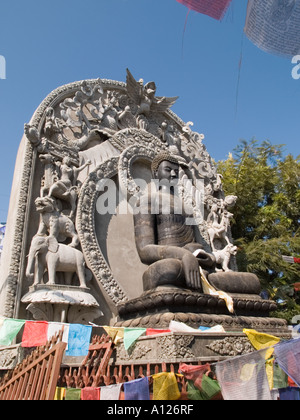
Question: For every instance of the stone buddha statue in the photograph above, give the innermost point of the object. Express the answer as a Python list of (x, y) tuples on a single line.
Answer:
[(164, 239)]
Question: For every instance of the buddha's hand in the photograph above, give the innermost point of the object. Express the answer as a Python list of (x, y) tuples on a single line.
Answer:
[(191, 271)]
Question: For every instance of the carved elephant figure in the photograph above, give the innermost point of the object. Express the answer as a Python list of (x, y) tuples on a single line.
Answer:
[(46, 253)]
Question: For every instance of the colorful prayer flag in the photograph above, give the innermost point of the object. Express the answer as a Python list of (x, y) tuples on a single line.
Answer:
[(154, 331), (213, 8), (79, 340), (73, 394), (194, 372), (200, 386), (90, 394), (273, 26), (110, 392), (116, 333), (287, 355), (9, 330), (55, 327), (165, 386), (35, 333), (131, 335), (137, 389), (59, 394), (261, 340), (244, 377)]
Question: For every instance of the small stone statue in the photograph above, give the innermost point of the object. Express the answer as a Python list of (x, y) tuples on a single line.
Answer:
[(164, 240)]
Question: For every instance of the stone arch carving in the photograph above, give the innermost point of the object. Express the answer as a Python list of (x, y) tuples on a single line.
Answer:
[(104, 121)]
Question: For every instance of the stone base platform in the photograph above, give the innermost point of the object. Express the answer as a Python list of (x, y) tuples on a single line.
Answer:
[(156, 308), (185, 347)]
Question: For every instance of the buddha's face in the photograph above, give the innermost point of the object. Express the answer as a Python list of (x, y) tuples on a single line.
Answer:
[(168, 171)]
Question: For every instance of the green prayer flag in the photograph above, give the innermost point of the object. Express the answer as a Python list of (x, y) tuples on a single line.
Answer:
[(280, 378), (9, 330), (209, 389), (131, 335), (73, 394)]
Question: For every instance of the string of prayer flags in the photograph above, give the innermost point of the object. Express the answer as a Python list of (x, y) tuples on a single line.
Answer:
[(287, 355), (110, 392), (9, 328), (78, 340), (292, 260), (261, 340), (215, 9), (165, 386), (137, 389), (273, 26), (244, 377)]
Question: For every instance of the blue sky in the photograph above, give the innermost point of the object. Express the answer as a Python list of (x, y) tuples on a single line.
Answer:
[(49, 44)]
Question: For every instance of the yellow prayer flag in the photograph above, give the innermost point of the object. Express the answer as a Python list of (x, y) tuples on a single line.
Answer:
[(116, 333), (270, 372), (261, 341), (59, 393), (165, 386)]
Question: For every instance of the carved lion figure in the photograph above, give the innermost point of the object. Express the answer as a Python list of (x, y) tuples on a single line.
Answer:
[(223, 256), (53, 222)]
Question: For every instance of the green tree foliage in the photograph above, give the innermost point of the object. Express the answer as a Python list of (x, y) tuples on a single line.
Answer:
[(266, 222)]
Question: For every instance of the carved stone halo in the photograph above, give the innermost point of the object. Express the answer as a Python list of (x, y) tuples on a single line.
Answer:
[(127, 181), (85, 223), (134, 145)]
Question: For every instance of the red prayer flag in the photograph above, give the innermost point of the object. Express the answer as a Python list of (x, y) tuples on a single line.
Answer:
[(194, 372), (35, 333), (297, 260), (90, 393), (213, 8), (153, 331)]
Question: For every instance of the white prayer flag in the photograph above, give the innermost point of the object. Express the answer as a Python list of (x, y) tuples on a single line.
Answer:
[(244, 377), (274, 26)]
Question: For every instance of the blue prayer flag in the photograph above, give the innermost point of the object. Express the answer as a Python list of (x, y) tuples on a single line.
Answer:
[(79, 340), (137, 390)]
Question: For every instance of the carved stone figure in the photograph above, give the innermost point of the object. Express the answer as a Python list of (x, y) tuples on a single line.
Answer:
[(223, 256), (218, 229), (46, 253), (164, 240), (65, 188), (145, 97), (55, 223)]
